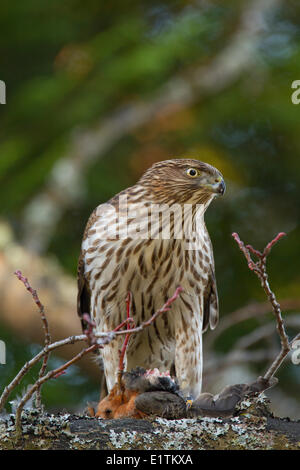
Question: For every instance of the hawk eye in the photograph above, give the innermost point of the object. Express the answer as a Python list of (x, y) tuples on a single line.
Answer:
[(192, 172)]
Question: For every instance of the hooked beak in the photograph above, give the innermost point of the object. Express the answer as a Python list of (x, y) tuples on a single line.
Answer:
[(221, 187), (218, 187)]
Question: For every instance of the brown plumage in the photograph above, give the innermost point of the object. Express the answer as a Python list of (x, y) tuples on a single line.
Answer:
[(139, 394), (142, 393), (150, 254)]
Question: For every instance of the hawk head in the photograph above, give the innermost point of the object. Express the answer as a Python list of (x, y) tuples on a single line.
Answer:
[(183, 181)]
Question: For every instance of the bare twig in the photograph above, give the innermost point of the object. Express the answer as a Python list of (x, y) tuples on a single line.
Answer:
[(241, 354), (47, 339), (129, 331), (297, 337), (216, 363), (129, 321), (52, 374), (28, 365), (262, 332), (41, 307), (165, 308), (259, 267), (89, 331), (254, 309)]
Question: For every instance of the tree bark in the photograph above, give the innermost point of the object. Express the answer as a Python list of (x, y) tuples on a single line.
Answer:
[(253, 427)]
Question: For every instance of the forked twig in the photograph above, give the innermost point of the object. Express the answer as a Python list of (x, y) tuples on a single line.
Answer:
[(47, 338), (52, 374), (129, 322), (134, 329), (165, 308), (259, 267), (28, 365)]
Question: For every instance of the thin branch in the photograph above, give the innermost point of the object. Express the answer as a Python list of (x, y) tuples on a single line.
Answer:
[(41, 307), (272, 243), (129, 321), (262, 332), (89, 330), (241, 354), (165, 308), (255, 309), (245, 251), (259, 267), (47, 337), (216, 363), (52, 374), (28, 365), (297, 337)]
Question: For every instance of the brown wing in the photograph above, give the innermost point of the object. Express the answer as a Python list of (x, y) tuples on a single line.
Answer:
[(211, 307), (211, 302), (83, 295)]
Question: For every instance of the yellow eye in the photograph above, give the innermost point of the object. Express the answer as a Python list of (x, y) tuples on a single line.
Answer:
[(192, 172)]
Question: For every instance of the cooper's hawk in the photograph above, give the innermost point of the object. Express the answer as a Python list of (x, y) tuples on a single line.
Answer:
[(148, 240)]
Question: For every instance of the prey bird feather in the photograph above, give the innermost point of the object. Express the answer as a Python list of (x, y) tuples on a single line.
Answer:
[(148, 240)]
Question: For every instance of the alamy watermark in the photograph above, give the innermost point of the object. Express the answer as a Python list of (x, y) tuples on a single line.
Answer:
[(2, 92), (156, 221), (295, 97), (2, 352), (296, 352)]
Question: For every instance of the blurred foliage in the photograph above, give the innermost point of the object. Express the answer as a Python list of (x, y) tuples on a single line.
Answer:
[(68, 65)]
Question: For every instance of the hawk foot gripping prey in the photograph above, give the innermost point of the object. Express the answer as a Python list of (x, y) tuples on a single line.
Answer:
[(148, 393)]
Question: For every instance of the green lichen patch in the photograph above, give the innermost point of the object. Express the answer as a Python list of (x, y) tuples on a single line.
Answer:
[(253, 427)]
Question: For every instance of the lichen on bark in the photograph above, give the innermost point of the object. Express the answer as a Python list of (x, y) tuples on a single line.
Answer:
[(253, 427)]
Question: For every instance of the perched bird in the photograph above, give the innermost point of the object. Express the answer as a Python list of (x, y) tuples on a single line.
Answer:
[(148, 240)]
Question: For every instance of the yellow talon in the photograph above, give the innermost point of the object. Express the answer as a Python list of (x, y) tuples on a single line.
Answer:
[(189, 404)]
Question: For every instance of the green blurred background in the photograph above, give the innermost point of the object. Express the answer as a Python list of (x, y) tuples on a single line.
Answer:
[(98, 91)]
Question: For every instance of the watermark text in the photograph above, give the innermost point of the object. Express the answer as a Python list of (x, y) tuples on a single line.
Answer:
[(296, 94), (296, 352), (2, 92), (2, 352)]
